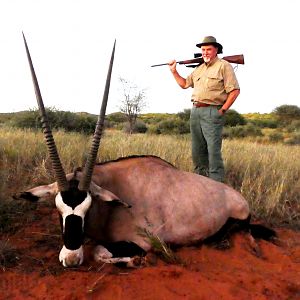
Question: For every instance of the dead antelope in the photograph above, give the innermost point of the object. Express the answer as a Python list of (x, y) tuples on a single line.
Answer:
[(179, 207)]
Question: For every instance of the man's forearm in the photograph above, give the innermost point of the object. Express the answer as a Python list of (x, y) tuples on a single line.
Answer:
[(230, 99), (180, 80)]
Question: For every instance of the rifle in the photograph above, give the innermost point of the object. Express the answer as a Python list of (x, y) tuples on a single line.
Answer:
[(198, 60)]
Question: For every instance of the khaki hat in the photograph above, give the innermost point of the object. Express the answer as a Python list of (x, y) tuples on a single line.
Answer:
[(210, 40)]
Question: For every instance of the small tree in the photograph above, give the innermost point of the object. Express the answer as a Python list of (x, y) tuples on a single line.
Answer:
[(287, 113), (133, 102)]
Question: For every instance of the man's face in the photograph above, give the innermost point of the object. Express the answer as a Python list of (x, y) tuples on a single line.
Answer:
[(209, 52)]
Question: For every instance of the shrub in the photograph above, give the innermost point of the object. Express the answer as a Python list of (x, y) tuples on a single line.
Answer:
[(264, 123), (287, 113), (27, 119), (294, 139), (154, 118), (117, 117), (185, 114), (233, 118), (294, 126), (153, 129), (242, 131), (276, 137), (58, 120), (139, 127), (173, 126)]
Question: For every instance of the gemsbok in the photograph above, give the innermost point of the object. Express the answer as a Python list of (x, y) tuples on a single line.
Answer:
[(111, 202)]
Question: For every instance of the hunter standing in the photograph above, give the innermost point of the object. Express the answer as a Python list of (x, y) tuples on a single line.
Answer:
[(215, 88)]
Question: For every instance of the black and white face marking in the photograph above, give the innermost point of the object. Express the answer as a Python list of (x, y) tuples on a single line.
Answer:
[(72, 206)]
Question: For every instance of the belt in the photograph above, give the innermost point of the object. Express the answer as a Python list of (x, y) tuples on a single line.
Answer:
[(200, 104)]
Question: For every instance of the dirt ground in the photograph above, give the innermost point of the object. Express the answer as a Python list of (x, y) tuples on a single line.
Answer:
[(204, 272)]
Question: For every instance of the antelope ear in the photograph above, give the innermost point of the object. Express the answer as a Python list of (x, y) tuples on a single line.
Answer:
[(38, 192), (106, 195)]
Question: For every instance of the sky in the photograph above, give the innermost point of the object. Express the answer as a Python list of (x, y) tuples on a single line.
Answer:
[(70, 42)]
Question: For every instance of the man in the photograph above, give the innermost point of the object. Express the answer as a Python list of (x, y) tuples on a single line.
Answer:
[(215, 89)]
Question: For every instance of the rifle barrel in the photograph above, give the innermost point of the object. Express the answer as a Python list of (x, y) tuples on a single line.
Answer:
[(159, 65), (235, 59)]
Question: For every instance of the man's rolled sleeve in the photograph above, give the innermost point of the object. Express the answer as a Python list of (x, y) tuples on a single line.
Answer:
[(189, 81), (230, 80)]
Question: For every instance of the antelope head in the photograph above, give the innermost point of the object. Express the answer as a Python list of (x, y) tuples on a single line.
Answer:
[(72, 197)]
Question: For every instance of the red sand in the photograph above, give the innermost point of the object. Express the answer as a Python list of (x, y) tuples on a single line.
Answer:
[(206, 273)]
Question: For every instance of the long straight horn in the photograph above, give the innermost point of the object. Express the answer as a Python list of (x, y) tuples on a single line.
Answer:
[(91, 159), (56, 164)]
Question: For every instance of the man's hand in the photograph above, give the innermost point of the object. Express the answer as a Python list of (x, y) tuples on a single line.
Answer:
[(222, 111), (180, 80), (172, 66)]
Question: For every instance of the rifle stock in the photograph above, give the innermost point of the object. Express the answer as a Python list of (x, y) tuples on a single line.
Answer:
[(234, 59)]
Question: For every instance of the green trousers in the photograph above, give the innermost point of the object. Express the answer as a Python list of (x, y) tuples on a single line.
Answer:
[(206, 129)]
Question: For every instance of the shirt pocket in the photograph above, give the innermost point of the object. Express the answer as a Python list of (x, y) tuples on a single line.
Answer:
[(215, 82)]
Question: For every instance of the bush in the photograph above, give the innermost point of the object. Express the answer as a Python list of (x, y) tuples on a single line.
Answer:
[(242, 131), (57, 119), (27, 119), (233, 118), (153, 129), (287, 113), (139, 127), (294, 126), (173, 126), (294, 139), (185, 114), (264, 123), (276, 137), (116, 118)]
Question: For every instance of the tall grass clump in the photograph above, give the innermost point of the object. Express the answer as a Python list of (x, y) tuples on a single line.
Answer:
[(24, 158), (174, 149), (269, 178)]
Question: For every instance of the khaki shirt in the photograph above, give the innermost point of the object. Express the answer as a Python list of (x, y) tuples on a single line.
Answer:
[(212, 82)]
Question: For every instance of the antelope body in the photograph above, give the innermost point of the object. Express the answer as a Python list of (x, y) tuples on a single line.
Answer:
[(179, 207)]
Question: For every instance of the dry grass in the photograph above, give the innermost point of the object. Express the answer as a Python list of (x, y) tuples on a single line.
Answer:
[(267, 175), (269, 178), (160, 247), (175, 150)]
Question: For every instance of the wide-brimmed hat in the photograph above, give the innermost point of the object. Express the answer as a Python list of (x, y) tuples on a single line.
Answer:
[(210, 40)]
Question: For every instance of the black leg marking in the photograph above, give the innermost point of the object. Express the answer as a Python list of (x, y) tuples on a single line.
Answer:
[(27, 196), (124, 249), (259, 231), (222, 238)]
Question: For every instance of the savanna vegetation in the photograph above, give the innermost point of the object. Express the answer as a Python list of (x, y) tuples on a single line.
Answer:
[(268, 175), (280, 126), (261, 154)]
